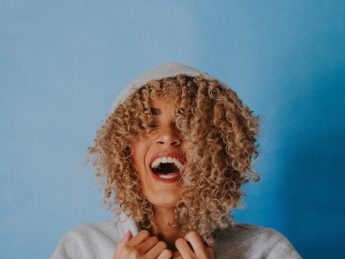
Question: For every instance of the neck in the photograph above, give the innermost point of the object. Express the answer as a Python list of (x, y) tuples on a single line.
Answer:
[(163, 226)]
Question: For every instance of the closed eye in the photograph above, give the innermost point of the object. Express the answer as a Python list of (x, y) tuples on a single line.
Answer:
[(152, 128)]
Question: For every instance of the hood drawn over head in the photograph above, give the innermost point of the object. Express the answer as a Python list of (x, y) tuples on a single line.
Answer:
[(160, 72)]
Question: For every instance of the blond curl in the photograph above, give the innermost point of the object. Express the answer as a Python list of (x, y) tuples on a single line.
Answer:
[(219, 133)]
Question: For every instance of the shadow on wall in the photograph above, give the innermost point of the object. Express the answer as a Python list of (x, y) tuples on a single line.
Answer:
[(315, 195), (314, 167)]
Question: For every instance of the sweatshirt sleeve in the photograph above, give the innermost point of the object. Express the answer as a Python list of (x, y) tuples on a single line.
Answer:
[(253, 242), (69, 247), (271, 245), (88, 241)]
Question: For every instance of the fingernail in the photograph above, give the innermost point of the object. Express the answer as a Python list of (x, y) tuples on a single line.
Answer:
[(168, 252), (127, 235)]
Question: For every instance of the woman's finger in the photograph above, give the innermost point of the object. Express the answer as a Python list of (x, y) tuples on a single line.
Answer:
[(148, 244), (166, 254), (123, 242), (211, 252), (156, 250), (197, 244), (183, 247), (139, 238), (177, 255)]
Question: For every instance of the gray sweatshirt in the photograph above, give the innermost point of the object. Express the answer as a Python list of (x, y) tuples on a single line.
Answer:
[(99, 240)]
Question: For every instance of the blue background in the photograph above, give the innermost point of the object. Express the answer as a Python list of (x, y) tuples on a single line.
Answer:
[(63, 62)]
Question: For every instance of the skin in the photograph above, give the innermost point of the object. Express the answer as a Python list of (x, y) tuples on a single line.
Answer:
[(162, 138)]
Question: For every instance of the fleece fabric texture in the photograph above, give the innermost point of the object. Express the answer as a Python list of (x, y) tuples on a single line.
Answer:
[(99, 240)]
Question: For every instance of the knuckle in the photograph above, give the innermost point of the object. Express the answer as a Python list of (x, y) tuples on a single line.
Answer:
[(165, 254), (162, 244), (145, 233), (168, 253), (191, 234), (154, 239), (179, 241)]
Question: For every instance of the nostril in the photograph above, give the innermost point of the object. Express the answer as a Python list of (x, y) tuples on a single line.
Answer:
[(175, 143)]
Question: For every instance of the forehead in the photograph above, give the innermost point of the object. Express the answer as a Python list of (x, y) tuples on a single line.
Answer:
[(162, 100), (163, 106)]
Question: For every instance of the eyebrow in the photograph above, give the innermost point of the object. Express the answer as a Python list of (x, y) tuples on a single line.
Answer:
[(155, 111)]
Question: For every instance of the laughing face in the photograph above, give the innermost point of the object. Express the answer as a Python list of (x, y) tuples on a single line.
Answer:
[(158, 156)]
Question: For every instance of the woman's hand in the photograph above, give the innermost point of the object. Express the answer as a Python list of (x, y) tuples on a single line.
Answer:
[(141, 246), (201, 251)]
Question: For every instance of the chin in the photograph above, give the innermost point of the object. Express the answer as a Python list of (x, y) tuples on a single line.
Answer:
[(163, 201)]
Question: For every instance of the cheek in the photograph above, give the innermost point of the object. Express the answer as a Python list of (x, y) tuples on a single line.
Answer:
[(139, 151)]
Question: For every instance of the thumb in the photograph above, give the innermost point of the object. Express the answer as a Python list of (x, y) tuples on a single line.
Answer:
[(123, 241), (127, 237)]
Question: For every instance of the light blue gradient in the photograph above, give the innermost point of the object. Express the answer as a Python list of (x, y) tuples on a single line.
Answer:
[(63, 62)]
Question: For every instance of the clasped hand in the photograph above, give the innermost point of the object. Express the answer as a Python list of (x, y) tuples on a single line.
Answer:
[(145, 246)]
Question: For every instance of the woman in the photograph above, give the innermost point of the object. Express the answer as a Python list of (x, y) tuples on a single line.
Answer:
[(175, 150)]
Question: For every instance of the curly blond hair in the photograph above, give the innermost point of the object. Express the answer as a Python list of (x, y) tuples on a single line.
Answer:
[(220, 136)]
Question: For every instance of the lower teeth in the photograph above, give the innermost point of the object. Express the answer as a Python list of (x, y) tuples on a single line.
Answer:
[(168, 176)]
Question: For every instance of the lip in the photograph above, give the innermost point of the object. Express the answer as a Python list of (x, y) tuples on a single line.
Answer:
[(172, 180)]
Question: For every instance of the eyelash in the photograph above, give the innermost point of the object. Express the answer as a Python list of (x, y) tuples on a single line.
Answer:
[(152, 128)]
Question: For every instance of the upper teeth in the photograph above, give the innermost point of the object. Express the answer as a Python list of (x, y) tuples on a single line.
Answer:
[(166, 159)]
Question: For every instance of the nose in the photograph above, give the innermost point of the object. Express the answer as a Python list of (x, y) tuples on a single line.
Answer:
[(168, 137)]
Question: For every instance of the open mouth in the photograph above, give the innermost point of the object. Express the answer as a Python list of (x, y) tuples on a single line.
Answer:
[(167, 168)]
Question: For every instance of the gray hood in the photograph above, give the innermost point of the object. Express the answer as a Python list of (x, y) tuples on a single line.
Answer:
[(163, 71)]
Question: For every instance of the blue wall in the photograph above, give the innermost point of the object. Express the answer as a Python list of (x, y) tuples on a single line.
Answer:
[(63, 62)]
